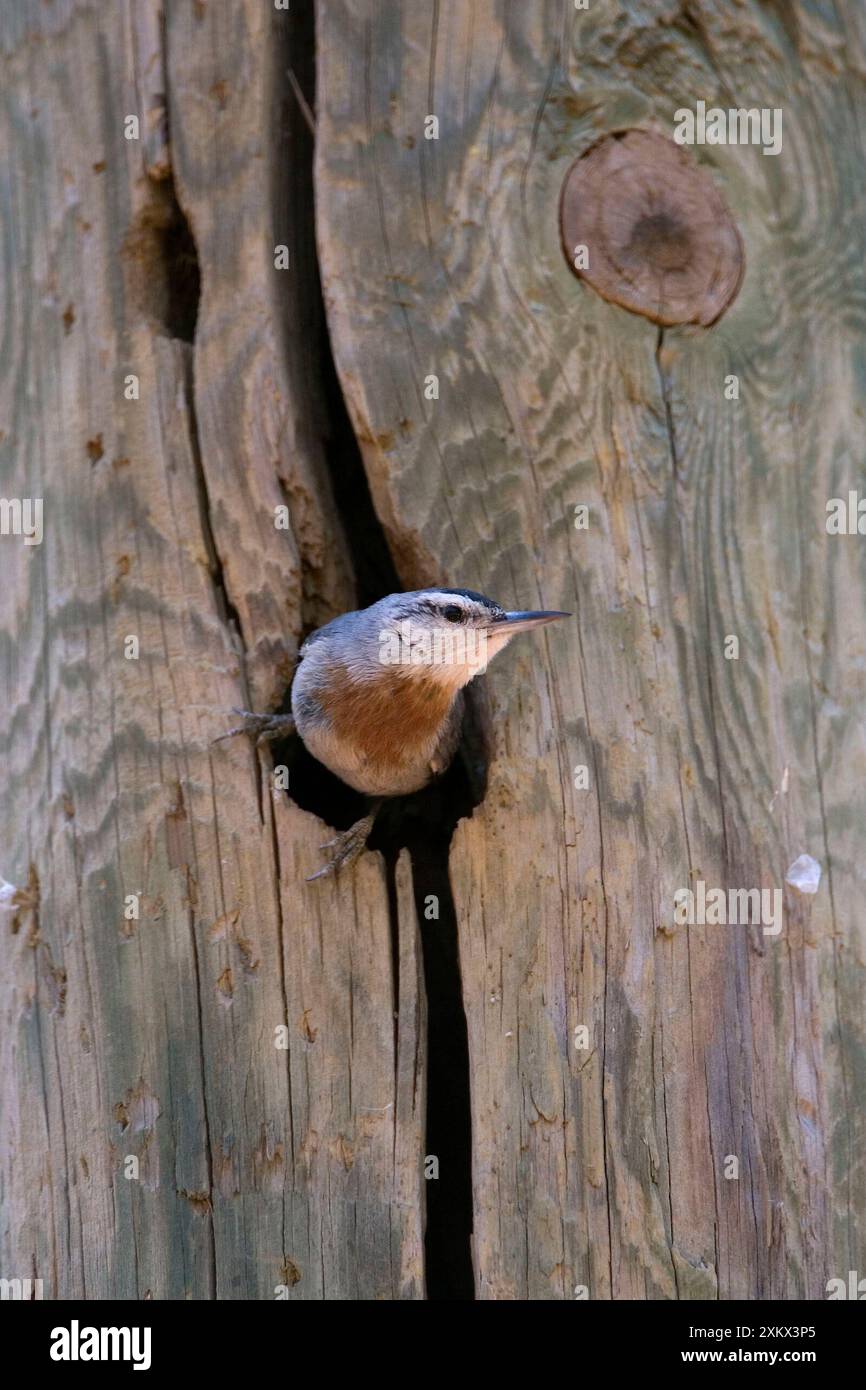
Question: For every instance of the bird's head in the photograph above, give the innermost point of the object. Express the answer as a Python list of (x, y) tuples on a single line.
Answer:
[(449, 635)]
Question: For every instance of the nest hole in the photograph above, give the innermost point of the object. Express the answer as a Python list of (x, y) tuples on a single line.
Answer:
[(417, 822)]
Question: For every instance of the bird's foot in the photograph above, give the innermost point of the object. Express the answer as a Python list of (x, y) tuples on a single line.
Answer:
[(347, 847), (261, 727)]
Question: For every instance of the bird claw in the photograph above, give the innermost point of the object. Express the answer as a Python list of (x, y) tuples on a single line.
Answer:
[(349, 846), (261, 727), (323, 873)]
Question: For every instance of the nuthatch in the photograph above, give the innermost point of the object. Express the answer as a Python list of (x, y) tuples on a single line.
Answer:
[(378, 694)]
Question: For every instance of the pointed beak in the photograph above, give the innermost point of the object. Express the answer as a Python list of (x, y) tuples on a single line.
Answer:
[(522, 622)]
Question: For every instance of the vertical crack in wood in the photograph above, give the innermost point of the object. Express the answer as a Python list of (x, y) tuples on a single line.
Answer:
[(665, 386), (228, 610), (448, 1232), (394, 934), (205, 1112), (278, 898)]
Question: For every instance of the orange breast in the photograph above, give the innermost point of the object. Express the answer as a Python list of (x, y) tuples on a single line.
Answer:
[(388, 719)]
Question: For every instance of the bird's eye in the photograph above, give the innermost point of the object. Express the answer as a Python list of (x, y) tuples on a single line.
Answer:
[(453, 612)]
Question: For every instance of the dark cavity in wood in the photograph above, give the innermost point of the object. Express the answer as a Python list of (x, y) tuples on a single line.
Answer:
[(161, 263)]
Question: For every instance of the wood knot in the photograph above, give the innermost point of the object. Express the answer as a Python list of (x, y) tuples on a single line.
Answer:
[(648, 229)]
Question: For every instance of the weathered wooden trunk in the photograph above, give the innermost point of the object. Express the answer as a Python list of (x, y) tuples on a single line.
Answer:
[(215, 1075)]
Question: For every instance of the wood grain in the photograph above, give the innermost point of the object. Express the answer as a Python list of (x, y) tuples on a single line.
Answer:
[(265, 1171), (605, 1168), (259, 1168)]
